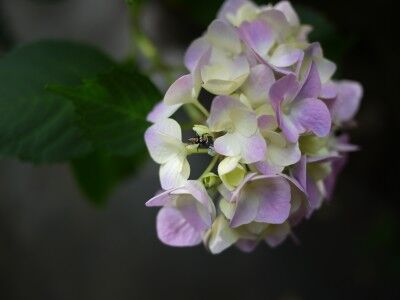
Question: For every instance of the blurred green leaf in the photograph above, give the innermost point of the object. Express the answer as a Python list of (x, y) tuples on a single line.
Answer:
[(99, 173), (112, 109), (36, 125)]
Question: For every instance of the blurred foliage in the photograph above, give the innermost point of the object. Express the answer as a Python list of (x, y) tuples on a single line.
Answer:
[(68, 102), (36, 125), (99, 172), (112, 109), (111, 113)]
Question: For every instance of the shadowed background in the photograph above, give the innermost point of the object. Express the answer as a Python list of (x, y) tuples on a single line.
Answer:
[(56, 245)]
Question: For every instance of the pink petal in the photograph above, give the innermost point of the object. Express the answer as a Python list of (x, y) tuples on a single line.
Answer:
[(348, 100), (230, 7), (180, 92), (253, 148), (313, 115), (174, 230), (289, 128), (311, 87), (285, 56), (162, 111), (160, 199), (258, 36), (282, 89), (262, 199), (246, 245), (275, 203), (195, 52), (328, 91), (258, 84)]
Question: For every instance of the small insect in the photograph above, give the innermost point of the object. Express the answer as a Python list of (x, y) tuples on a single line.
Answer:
[(205, 141)]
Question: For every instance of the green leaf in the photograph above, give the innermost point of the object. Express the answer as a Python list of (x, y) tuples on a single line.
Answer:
[(99, 173), (112, 109), (36, 125)]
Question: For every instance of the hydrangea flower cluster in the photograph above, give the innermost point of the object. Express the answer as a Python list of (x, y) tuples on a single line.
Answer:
[(272, 131)]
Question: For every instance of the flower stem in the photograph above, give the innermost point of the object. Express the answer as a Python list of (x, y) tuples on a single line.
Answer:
[(143, 45), (201, 108), (210, 166), (193, 150), (194, 114)]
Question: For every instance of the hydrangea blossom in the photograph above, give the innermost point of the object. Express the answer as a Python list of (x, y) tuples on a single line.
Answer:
[(272, 131)]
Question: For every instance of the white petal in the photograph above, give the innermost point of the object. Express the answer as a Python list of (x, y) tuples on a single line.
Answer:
[(245, 121), (239, 69), (220, 87), (280, 152), (163, 140), (223, 36), (228, 165), (228, 145), (285, 56), (226, 75), (162, 111), (181, 91), (289, 12), (326, 69), (174, 173)]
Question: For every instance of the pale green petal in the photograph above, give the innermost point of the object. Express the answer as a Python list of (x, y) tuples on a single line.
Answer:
[(227, 208), (201, 129), (226, 75), (245, 121), (231, 172), (247, 12), (313, 145), (228, 165), (223, 36), (319, 171), (221, 236), (220, 87), (280, 152)]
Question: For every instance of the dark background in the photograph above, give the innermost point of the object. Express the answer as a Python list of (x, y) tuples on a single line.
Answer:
[(55, 245)]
